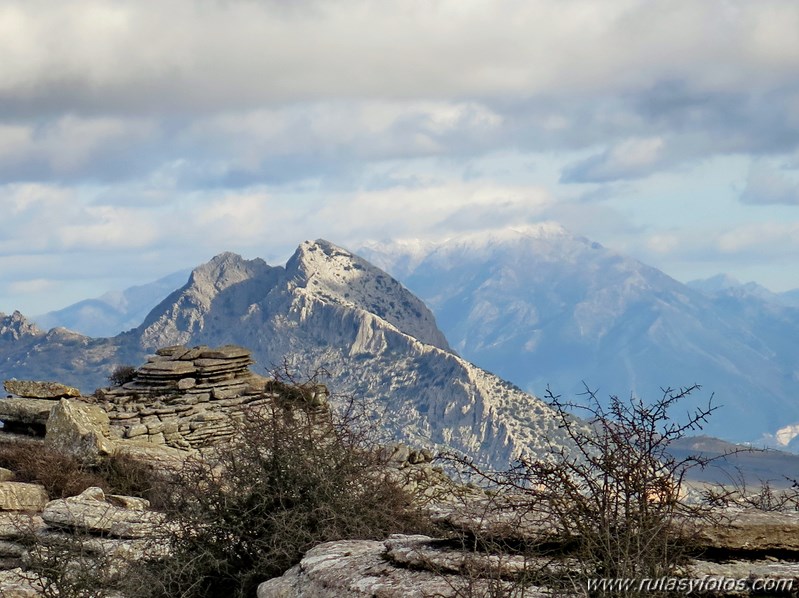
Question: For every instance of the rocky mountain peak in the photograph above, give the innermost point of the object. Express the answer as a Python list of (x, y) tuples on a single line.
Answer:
[(334, 275), (225, 270), (16, 326)]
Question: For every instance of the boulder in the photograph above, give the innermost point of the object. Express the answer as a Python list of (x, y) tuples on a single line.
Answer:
[(90, 511), (19, 525), (19, 496), (79, 429), (25, 411), (33, 389)]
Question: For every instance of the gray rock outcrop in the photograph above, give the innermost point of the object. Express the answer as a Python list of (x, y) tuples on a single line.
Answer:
[(20, 496), (401, 567), (79, 429), (34, 389), (92, 537)]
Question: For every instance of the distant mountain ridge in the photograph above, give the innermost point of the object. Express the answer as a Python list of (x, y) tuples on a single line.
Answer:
[(539, 306), (326, 309), (114, 311), (724, 285)]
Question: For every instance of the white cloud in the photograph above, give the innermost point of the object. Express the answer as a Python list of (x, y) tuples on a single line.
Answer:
[(69, 146), (761, 239), (768, 185), (631, 158), (212, 54), (32, 286)]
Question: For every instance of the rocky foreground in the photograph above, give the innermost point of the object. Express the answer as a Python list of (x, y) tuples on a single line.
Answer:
[(184, 401)]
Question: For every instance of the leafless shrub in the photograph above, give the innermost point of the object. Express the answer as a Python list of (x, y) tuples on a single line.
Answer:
[(608, 504), (765, 496)]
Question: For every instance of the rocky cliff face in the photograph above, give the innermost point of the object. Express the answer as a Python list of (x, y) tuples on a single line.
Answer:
[(326, 310)]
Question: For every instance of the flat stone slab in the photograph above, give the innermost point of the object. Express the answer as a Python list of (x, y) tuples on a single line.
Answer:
[(33, 389), (168, 367), (175, 351), (14, 525)]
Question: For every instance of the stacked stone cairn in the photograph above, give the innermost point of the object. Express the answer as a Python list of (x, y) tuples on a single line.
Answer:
[(190, 398)]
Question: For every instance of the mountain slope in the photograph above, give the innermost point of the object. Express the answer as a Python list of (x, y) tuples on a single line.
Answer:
[(326, 309), (540, 306)]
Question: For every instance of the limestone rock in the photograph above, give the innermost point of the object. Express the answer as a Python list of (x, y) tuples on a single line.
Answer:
[(19, 496), (79, 429), (163, 459), (751, 530), (32, 389), (16, 583), (6, 475), (17, 525), (91, 512), (397, 568), (25, 411)]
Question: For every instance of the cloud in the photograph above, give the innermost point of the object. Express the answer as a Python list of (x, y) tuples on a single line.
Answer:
[(45, 218), (632, 158), (32, 286), (767, 185), (74, 148), (761, 239), (203, 55)]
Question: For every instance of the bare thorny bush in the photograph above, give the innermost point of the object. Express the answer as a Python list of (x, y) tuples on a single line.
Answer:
[(766, 495), (607, 503), (295, 474)]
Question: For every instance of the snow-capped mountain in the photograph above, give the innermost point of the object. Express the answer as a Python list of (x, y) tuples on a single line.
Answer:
[(115, 311), (539, 306), (326, 309)]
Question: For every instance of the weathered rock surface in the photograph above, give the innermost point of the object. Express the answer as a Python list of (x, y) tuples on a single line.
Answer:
[(185, 398), (19, 496), (16, 583), (25, 411), (33, 389), (79, 429), (402, 567), (751, 530), (96, 536), (91, 511)]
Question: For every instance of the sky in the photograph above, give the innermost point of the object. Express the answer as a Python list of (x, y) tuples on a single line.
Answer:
[(141, 137)]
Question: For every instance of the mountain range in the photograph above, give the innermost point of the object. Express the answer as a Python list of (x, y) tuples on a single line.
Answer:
[(114, 311), (535, 305), (542, 307), (326, 309)]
